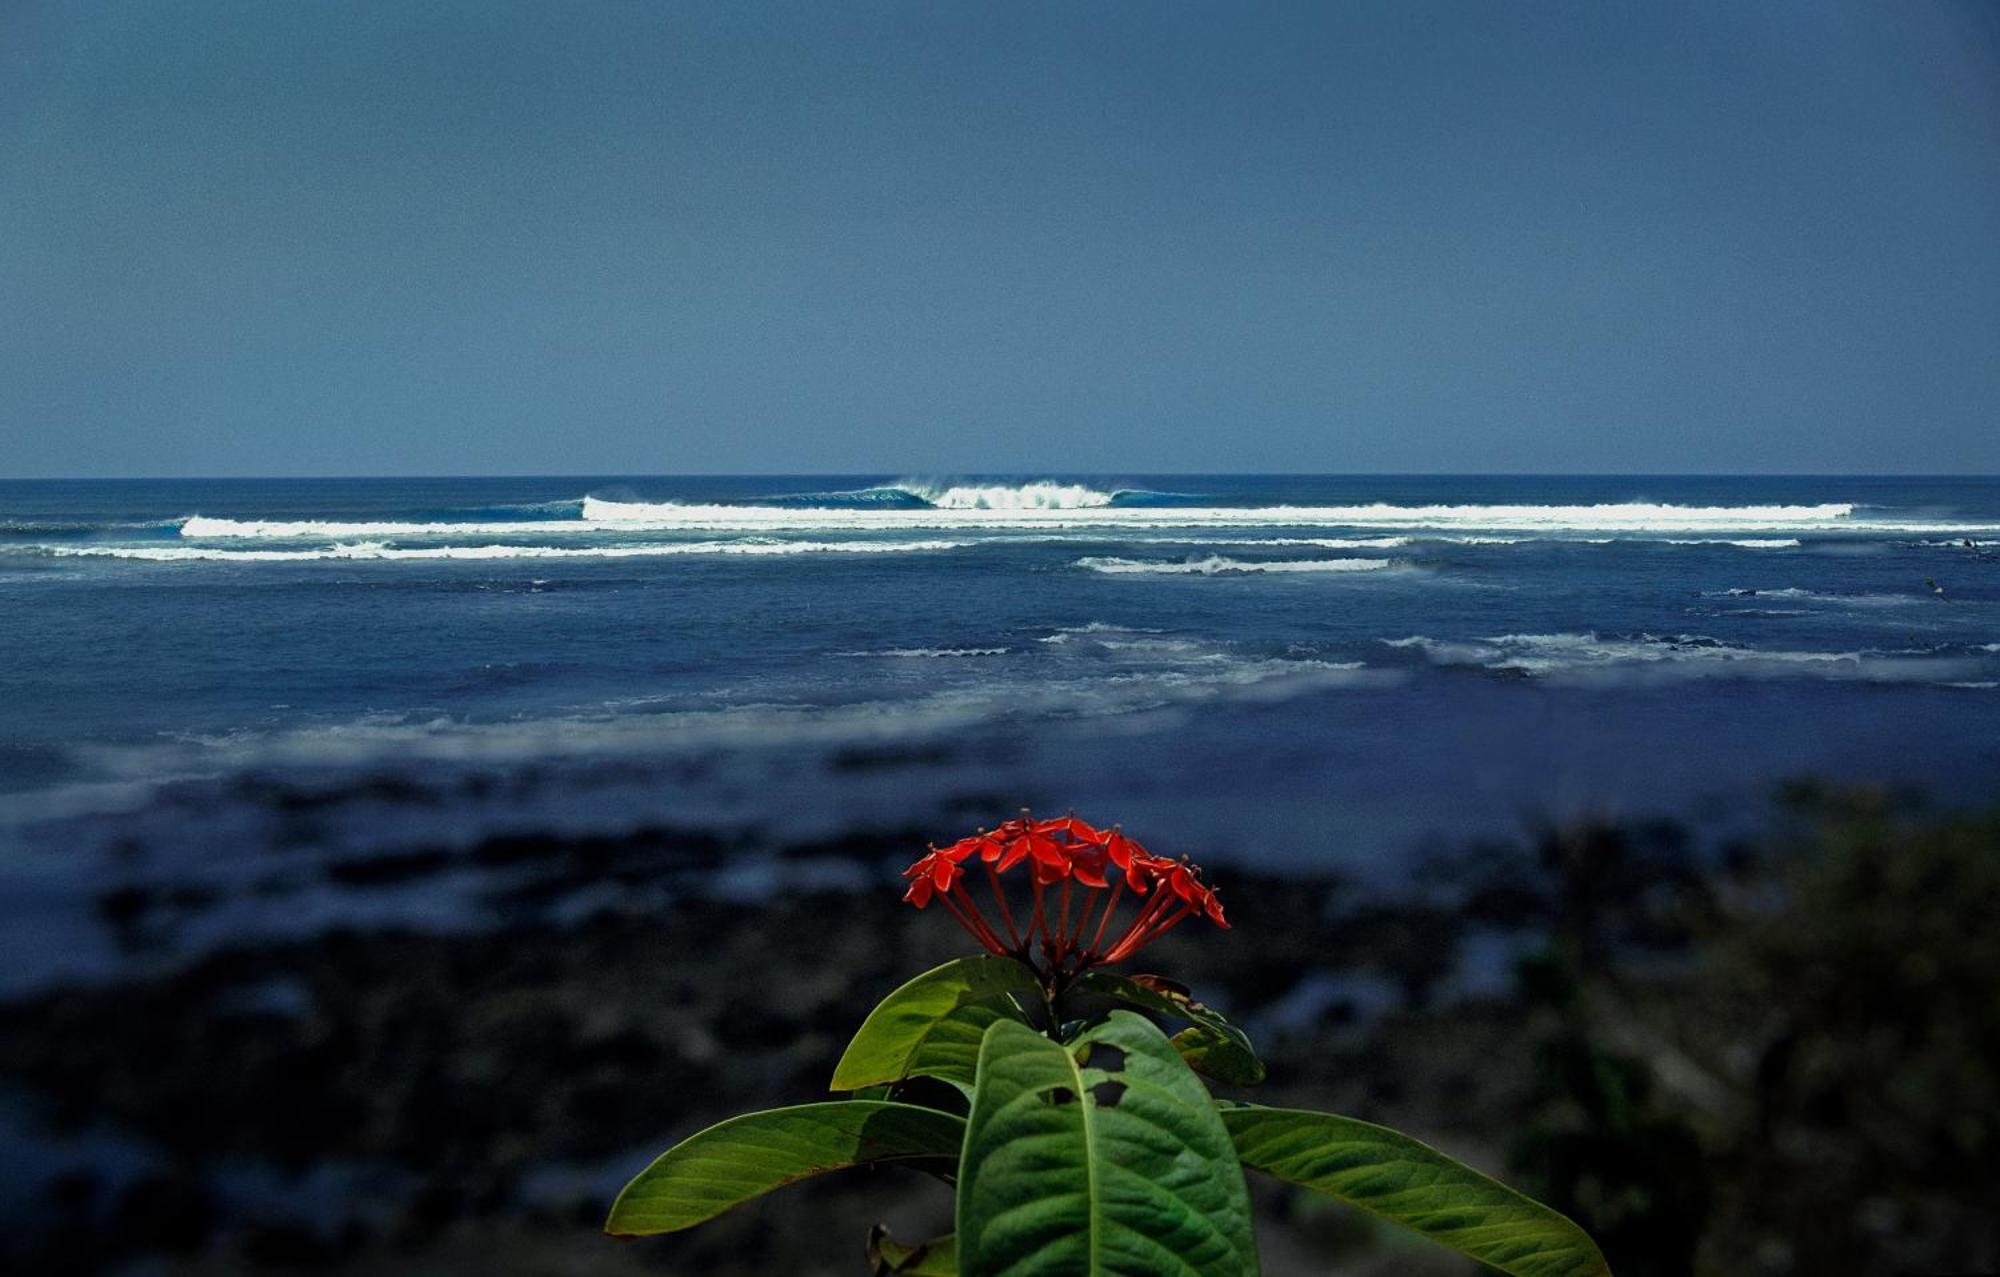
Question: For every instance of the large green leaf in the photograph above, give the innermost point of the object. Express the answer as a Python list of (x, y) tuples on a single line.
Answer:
[(1414, 1185), (950, 1052), (931, 1027), (1105, 1158), (1211, 1043), (745, 1157)]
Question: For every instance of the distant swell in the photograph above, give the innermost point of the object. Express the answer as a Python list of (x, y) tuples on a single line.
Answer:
[(75, 527)]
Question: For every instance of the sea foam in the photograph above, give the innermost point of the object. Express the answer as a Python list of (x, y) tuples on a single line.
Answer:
[(1216, 565), (205, 528), (1060, 508), (1070, 506), (1026, 496), (361, 550), (1592, 655)]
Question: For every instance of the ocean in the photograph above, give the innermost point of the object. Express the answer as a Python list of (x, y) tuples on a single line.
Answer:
[(217, 688)]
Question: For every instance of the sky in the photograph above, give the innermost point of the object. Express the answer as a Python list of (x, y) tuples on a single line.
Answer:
[(250, 237)]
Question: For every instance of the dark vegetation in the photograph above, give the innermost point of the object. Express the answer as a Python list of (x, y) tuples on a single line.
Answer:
[(1778, 1056)]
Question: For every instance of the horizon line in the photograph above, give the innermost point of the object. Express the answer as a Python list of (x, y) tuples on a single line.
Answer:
[(1020, 475)]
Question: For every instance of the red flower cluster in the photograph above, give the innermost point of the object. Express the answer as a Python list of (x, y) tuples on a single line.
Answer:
[(1066, 859)]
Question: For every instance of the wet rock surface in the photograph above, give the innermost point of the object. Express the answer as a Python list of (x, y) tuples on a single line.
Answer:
[(387, 1099)]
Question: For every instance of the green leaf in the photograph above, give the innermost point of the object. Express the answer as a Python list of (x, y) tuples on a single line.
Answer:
[(1412, 1184), (1219, 1055), (931, 1026), (1105, 1158), (745, 1157), (937, 1257), (1212, 1044), (950, 1052)]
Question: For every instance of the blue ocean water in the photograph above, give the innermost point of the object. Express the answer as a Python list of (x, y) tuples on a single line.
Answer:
[(1299, 670)]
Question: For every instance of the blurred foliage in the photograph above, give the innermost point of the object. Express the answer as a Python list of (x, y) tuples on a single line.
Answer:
[(1782, 1060), (1848, 1005)]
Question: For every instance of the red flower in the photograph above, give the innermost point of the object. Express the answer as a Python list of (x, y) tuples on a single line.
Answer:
[(1122, 850), (935, 872), (1087, 865), (1213, 908), (1075, 871), (1076, 829)]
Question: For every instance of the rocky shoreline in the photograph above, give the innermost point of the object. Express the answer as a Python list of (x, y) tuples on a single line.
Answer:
[(381, 1097)]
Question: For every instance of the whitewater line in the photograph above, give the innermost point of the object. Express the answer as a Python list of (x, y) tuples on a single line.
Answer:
[(368, 550), (1215, 565), (598, 517)]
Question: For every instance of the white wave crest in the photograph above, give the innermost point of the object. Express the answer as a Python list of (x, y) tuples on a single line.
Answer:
[(1630, 516), (376, 550), (1323, 543), (1755, 543), (1062, 508), (1090, 509), (1216, 565), (1588, 655), (1045, 495), (1090, 630), (933, 653), (204, 528), (1819, 596)]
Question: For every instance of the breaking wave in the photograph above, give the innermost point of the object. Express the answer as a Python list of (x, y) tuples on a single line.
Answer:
[(1755, 543), (203, 528), (1071, 507), (1027, 496), (917, 494), (1057, 505)]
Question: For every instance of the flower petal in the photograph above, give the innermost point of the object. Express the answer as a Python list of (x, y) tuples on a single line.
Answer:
[(1125, 852), (1212, 906), (1140, 874), (1088, 864), (1071, 827), (1047, 850), (961, 849)]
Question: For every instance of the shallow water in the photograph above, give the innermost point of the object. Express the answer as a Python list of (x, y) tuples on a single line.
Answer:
[(1297, 670)]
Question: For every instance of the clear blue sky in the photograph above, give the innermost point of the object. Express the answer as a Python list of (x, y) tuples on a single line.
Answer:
[(359, 238)]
